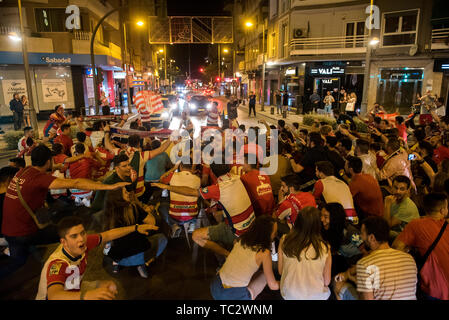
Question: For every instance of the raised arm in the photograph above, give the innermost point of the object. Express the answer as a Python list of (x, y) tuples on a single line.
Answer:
[(164, 146), (178, 189), (84, 184)]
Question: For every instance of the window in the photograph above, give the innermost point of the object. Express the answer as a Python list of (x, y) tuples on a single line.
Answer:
[(53, 20), (273, 45), (285, 6), (284, 40), (400, 28), (354, 34)]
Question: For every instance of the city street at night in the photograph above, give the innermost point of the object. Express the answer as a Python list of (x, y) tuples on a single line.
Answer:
[(183, 153)]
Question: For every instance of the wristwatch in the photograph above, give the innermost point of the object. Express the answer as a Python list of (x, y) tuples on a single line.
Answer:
[(136, 227)]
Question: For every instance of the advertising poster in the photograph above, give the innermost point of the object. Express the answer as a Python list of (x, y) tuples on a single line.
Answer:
[(10, 87), (54, 90)]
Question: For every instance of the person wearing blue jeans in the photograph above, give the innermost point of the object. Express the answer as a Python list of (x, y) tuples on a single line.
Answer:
[(328, 100)]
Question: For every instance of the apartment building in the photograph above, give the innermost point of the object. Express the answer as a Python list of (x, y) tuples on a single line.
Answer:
[(321, 45), (59, 58)]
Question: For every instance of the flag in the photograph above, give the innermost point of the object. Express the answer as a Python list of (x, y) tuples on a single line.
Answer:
[(156, 103), (142, 102)]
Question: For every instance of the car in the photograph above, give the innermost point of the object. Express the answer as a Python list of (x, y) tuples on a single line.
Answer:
[(198, 104), (165, 114)]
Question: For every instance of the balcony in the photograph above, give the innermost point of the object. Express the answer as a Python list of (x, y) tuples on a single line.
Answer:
[(328, 45), (81, 45), (440, 39), (34, 44)]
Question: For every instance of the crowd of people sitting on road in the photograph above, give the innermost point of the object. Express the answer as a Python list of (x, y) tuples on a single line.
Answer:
[(345, 215)]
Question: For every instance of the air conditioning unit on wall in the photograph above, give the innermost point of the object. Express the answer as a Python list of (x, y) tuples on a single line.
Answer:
[(299, 33)]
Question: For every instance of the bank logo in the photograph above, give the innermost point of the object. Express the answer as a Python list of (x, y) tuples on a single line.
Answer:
[(73, 21)]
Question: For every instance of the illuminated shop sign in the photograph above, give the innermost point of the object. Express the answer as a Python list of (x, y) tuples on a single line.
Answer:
[(401, 74), (327, 71)]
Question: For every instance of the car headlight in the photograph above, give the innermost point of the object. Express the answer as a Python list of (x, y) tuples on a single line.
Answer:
[(209, 106), (164, 115), (192, 106)]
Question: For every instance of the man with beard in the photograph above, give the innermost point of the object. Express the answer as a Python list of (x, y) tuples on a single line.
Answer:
[(385, 273), (399, 209)]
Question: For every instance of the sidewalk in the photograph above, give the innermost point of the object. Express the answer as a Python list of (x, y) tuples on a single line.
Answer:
[(290, 119)]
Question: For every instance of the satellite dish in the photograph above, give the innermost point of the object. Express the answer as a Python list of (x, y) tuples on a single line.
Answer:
[(413, 50)]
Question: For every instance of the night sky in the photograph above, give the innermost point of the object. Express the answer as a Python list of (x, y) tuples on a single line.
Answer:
[(198, 52)]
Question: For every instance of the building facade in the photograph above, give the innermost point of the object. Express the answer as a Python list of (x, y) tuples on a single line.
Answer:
[(59, 57), (321, 45)]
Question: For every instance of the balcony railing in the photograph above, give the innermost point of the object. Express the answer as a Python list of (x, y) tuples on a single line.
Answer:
[(6, 30), (440, 39), (326, 45), (82, 35)]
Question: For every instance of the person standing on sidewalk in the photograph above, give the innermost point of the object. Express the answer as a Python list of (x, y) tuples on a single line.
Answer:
[(252, 103), (278, 101), (16, 106), (285, 101), (328, 101)]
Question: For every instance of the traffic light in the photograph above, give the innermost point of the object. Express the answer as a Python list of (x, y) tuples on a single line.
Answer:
[(218, 79), (201, 69)]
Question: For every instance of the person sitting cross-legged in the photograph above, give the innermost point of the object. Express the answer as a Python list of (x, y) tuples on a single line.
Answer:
[(62, 275), (238, 212), (182, 208), (133, 249)]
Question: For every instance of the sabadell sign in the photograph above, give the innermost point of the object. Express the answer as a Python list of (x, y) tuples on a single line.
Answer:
[(57, 60)]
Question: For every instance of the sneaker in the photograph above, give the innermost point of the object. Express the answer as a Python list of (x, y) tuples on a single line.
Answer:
[(192, 227), (143, 271), (6, 251), (115, 267), (175, 231)]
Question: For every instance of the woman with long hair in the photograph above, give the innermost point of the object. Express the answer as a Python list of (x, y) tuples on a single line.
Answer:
[(305, 260), (239, 278), (341, 235), (26, 111), (134, 249)]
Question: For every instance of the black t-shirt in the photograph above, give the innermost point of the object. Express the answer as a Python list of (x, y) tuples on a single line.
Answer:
[(337, 161), (132, 243), (310, 158), (285, 99), (252, 100)]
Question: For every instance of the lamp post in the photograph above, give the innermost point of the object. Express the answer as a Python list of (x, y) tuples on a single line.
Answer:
[(27, 73), (366, 79), (263, 66)]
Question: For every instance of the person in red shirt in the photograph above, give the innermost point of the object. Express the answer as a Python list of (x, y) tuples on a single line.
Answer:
[(19, 226), (54, 123), (365, 190), (65, 139), (440, 152), (420, 234), (291, 201), (402, 128), (84, 168), (259, 189), (62, 275)]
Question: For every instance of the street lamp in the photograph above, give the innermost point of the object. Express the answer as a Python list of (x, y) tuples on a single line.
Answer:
[(27, 70), (140, 23)]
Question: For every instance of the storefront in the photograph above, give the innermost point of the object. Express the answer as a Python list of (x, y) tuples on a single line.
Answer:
[(56, 79), (441, 69), (395, 83), (398, 87)]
